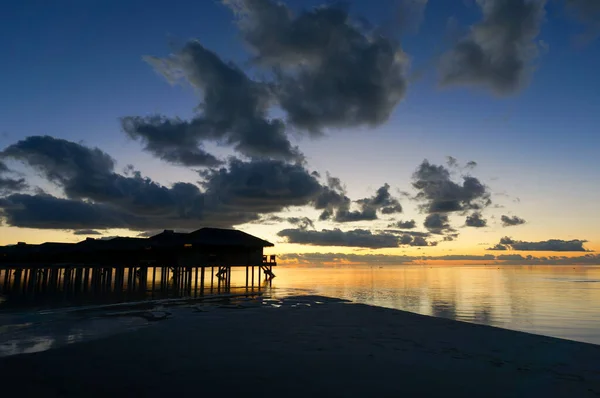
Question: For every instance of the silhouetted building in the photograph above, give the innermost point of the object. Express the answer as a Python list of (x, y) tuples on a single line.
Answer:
[(203, 247)]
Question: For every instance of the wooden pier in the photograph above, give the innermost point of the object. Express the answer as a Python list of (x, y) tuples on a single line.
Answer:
[(169, 264)]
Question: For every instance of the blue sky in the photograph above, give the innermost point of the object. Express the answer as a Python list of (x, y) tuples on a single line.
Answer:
[(73, 68)]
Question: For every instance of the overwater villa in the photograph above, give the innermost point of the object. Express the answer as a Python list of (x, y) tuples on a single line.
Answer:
[(124, 263)]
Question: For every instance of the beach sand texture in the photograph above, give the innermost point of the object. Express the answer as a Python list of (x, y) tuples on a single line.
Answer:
[(309, 346)]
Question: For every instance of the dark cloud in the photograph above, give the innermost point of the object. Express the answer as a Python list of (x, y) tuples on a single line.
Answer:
[(551, 245), (499, 50), (337, 237), (75, 167), (451, 161), (450, 237), (325, 258), (384, 259), (471, 164), (87, 232), (412, 238), (232, 195), (329, 71), (498, 247), (404, 224), (506, 241), (87, 173), (475, 220), (410, 233), (260, 186), (441, 195), (364, 214), (508, 221), (418, 241), (234, 111), (48, 212), (437, 223), (9, 185), (332, 197), (587, 11), (382, 202), (302, 222), (270, 219), (172, 140), (588, 259)]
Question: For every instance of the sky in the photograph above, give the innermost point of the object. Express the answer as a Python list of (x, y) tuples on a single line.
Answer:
[(371, 132)]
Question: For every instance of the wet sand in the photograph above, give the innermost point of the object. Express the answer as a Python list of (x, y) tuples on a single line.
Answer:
[(308, 346)]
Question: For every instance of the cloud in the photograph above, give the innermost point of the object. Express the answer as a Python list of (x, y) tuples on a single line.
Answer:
[(9, 185), (324, 258), (302, 222), (147, 234), (87, 174), (383, 259), (451, 161), (437, 223), (508, 221), (87, 232), (382, 202), (172, 140), (588, 12), (260, 186), (48, 212), (441, 195), (232, 195), (410, 233), (332, 197), (404, 224), (411, 14), (329, 71), (417, 241), (498, 52), (234, 111), (551, 245), (475, 220), (337, 237)]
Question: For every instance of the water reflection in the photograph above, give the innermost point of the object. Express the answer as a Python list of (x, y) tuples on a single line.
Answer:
[(57, 330), (555, 301), (31, 288)]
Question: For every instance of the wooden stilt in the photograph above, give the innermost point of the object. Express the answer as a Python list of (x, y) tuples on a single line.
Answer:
[(6, 279), (153, 279), (25, 278), (201, 281)]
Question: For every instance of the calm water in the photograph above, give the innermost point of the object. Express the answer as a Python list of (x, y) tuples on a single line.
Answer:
[(550, 300), (554, 301)]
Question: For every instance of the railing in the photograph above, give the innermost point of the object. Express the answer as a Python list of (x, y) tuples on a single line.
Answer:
[(270, 259)]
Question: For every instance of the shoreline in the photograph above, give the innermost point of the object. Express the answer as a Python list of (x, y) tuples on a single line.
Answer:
[(310, 345)]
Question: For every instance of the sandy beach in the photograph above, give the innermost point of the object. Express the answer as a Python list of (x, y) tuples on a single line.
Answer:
[(308, 346)]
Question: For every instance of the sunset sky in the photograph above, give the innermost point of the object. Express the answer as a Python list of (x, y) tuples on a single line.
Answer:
[(322, 128)]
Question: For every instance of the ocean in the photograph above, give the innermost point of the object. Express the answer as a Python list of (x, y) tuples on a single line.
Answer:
[(558, 301)]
